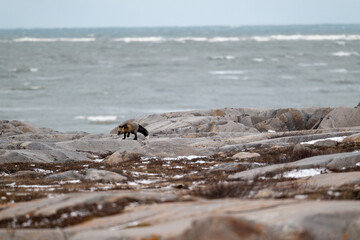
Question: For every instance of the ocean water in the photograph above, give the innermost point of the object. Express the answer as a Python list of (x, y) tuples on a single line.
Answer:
[(92, 79)]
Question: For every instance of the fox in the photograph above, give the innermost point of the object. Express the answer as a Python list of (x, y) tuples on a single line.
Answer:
[(131, 127)]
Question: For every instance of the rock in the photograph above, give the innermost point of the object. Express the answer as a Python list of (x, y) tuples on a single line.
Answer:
[(332, 180), (99, 146), (233, 127), (326, 143), (28, 234), (120, 156), (274, 124), (355, 138), (300, 148), (279, 219), (245, 155), (341, 117), (35, 146), (225, 228), (337, 161), (226, 167), (16, 127), (27, 174), (66, 175), (315, 119), (12, 156), (103, 175), (265, 193)]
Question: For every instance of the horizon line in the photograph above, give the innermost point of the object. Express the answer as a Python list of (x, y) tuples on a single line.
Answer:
[(180, 26)]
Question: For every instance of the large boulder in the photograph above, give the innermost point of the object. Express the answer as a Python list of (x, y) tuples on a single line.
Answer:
[(14, 127), (103, 175), (341, 117)]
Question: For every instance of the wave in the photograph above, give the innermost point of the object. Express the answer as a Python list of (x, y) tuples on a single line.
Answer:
[(216, 39), (340, 70), (140, 39), (297, 37), (317, 64), (28, 39), (21, 70), (228, 72), (345, 54), (98, 119), (227, 57)]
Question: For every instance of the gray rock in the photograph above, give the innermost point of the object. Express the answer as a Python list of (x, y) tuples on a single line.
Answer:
[(331, 180), (120, 156), (12, 156), (28, 234), (315, 118), (66, 175), (281, 219), (245, 155), (225, 228), (103, 175), (355, 138), (235, 166), (332, 161), (99, 146), (341, 117), (28, 174), (35, 146), (326, 143)]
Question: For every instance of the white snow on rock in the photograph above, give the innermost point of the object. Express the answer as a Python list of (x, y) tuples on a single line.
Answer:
[(337, 139)]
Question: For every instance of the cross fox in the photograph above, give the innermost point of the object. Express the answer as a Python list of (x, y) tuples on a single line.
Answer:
[(134, 128)]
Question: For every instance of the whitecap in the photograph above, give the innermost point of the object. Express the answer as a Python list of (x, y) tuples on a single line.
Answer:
[(229, 77), (102, 119), (340, 70), (194, 39), (318, 64), (224, 39), (287, 77), (139, 39), (298, 37), (345, 54), (228, 72), (29, 39), (227, 57), (258, 60)]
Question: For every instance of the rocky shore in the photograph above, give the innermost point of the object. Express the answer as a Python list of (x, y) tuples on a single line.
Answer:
[(233, 173)]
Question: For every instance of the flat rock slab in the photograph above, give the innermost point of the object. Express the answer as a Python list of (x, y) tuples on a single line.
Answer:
[(242, 219), (284, 219), (51, 206), (331, 180), (331, 161)]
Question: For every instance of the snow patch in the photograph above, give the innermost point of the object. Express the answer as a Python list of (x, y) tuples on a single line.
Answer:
[(337, 139), (300, 173)]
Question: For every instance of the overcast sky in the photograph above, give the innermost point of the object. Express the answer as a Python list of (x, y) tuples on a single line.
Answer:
[(135, 13)]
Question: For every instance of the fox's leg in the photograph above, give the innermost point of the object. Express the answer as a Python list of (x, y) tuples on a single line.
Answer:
[(128, 135), (124, 136), (135, 138)]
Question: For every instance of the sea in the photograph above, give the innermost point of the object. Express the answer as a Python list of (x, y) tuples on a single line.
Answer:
[(92, 79)]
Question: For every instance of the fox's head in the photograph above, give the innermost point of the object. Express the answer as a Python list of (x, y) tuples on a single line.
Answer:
[(122, 129)]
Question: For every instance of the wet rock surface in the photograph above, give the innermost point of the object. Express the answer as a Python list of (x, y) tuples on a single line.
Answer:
[(174, 185)]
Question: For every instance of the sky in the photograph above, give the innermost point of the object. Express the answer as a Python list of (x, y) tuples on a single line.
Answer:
[(148, 13)]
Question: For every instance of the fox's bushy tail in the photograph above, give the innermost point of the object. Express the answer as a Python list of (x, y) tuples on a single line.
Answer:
[(143, 131)]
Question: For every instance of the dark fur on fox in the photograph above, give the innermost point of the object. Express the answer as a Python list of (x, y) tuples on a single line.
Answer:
[(134, 128)]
